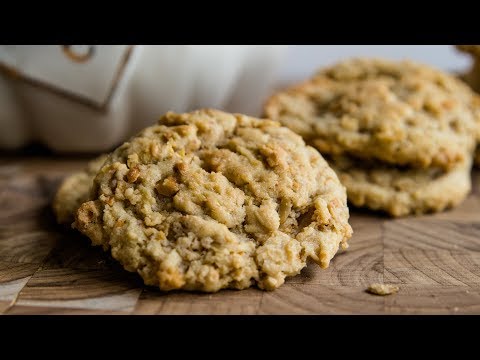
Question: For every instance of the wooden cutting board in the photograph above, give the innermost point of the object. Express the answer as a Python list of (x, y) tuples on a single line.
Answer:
[(46, 269)]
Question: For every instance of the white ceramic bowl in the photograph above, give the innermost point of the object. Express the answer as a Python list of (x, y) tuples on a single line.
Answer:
[(90, 98)]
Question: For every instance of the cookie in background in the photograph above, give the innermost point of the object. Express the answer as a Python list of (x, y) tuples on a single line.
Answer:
[(388, 121)]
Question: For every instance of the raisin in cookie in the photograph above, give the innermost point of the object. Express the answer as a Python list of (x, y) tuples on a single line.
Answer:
[(209, 200), (401, 192), (401, 113), (75, 190)]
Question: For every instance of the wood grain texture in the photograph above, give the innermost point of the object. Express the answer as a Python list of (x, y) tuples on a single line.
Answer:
[(231, 302), (320, 299), (13, 277), (49, 269), (43, 310), (446, 300)]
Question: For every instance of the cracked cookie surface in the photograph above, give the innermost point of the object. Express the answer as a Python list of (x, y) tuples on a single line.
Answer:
[(401, 113), (209, 200), (74, 190), (401, 192)]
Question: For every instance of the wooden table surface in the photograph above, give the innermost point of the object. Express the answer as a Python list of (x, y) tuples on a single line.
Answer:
[(46, 269)]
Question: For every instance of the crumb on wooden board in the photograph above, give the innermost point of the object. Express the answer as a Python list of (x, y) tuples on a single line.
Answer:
[(382, 289)]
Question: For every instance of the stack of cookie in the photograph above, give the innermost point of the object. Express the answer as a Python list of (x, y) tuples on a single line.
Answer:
[(472, 77), (210, 200), (400, 135)]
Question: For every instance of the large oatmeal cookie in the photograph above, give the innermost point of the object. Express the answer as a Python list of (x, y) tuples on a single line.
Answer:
[(209, 200), (401, 113), (401, 192)]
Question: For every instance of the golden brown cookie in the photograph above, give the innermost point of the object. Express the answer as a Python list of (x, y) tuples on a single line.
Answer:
[(402, 113), (74, 191), (209, 200), (401, 192)]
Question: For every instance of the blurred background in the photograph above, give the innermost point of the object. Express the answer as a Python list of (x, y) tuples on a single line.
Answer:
[(302, 60), (90, 98)]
